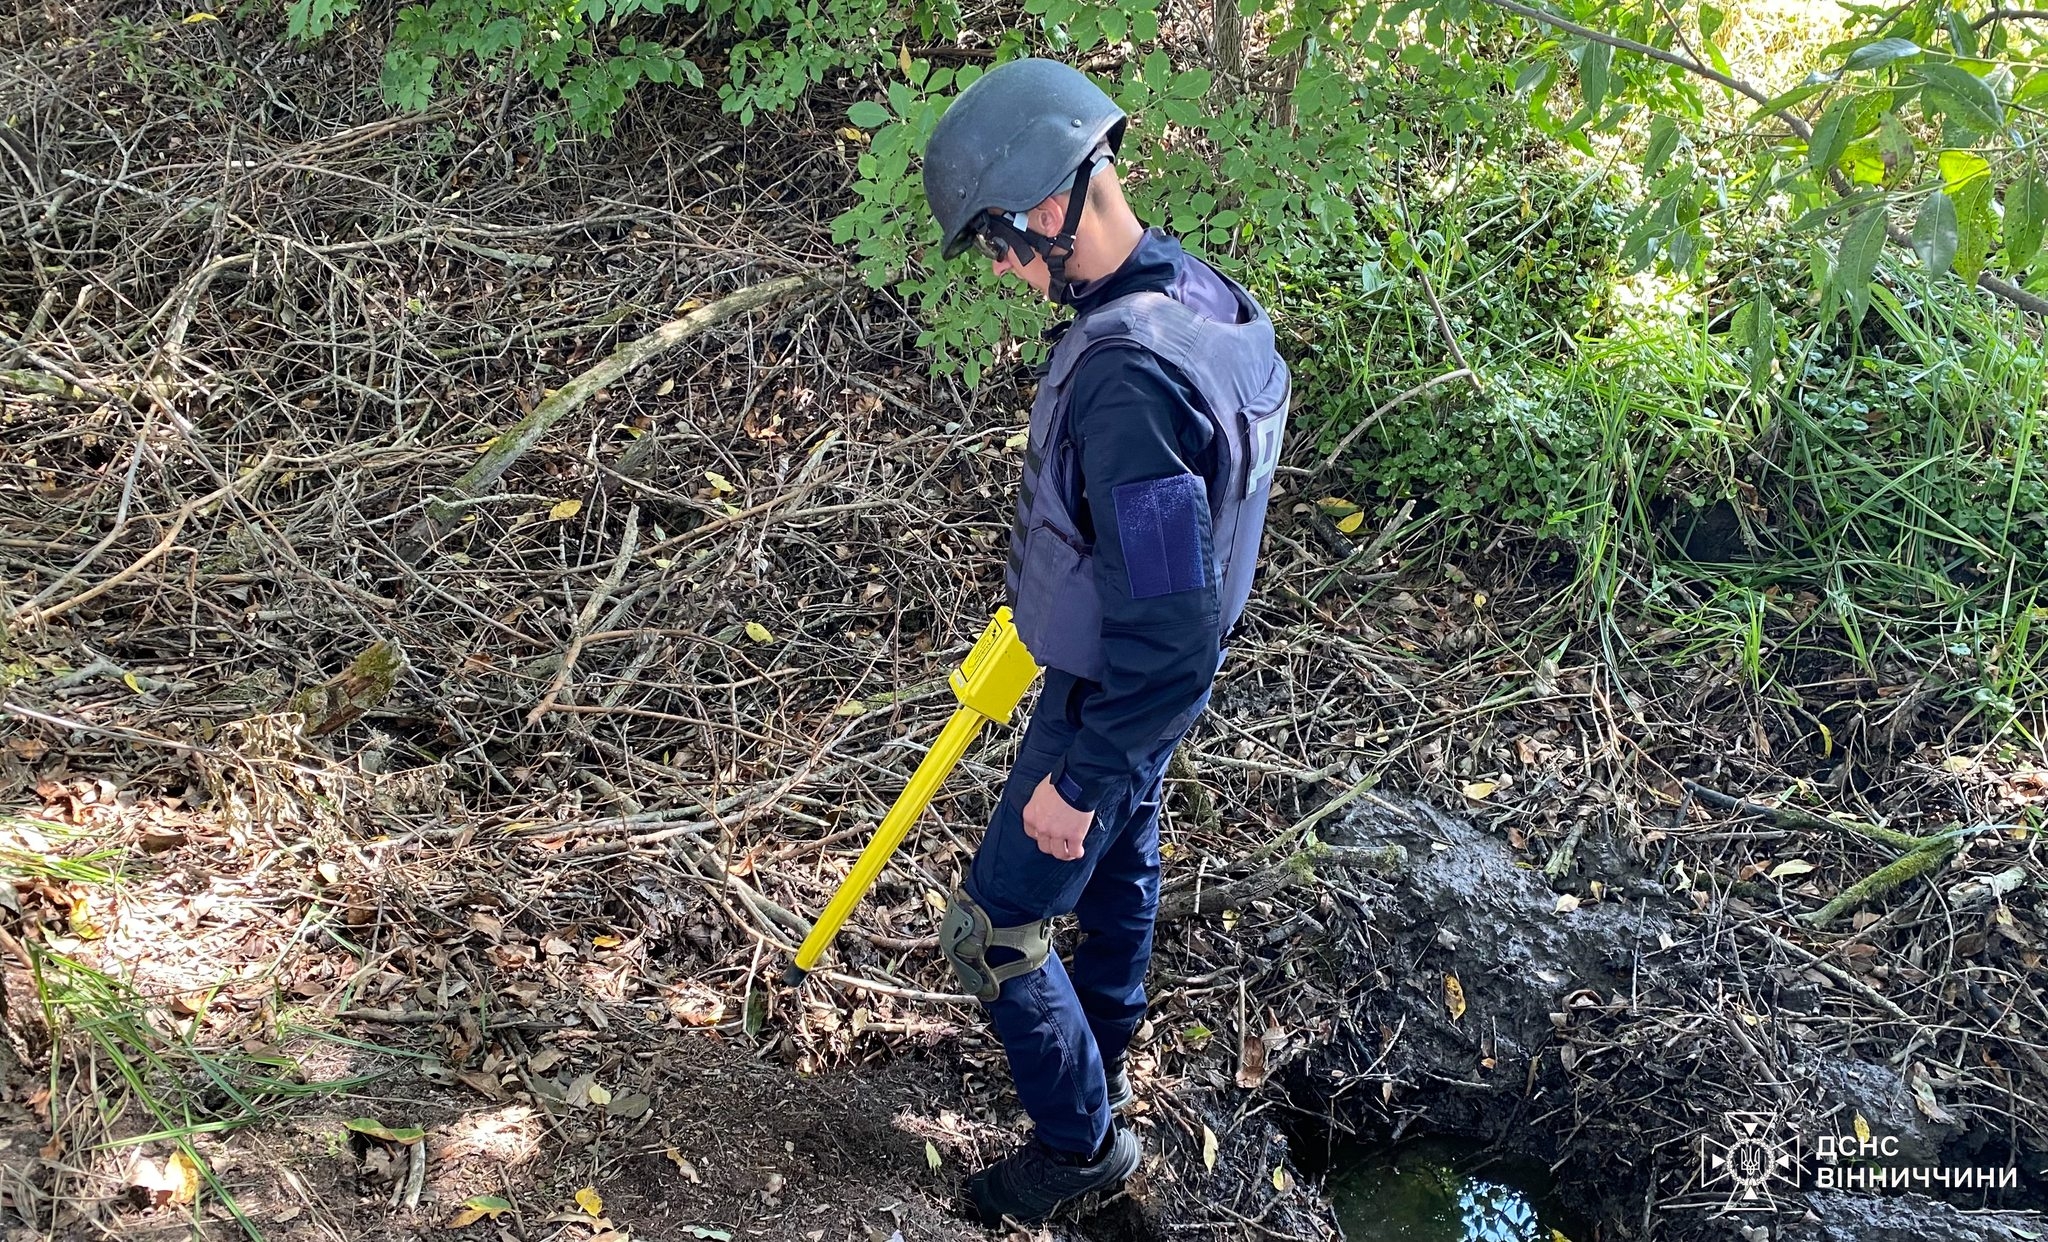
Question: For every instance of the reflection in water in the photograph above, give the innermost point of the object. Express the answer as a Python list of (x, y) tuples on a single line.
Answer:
[(1496, 1213), (1441, 1191)]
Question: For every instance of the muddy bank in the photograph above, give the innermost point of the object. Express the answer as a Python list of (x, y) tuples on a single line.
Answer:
[(1596, 1023)]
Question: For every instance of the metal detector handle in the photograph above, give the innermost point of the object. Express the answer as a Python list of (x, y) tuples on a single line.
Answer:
[(989, 684)]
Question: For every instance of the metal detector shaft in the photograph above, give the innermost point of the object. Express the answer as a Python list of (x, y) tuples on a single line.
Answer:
[(989, 683)]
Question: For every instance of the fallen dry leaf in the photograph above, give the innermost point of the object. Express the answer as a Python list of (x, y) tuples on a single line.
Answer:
[(510, 956), (689, 1170), (84, 923), (482, 1207), (1208, 1148), (1923, 1096), (697, 1005), (1454, 997), (182, 1172), (1251, 1061)]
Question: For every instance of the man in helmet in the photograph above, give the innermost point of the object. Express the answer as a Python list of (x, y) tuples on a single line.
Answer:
[(1154, 434)]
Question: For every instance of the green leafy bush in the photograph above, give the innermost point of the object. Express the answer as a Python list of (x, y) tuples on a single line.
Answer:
[(966, 321), (1518, 454), (586, 55)]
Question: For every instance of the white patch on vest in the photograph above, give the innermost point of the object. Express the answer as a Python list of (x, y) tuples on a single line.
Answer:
[(1264, 442)]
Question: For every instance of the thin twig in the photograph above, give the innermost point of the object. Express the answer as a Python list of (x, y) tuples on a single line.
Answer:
[(1395, 403), (588, 616), (27, 616)]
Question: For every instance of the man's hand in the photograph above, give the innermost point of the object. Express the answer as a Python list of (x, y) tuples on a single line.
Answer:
[(1059, 829)]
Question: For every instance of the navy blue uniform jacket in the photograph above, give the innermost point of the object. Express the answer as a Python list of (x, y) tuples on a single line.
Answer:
[(1134, 418)]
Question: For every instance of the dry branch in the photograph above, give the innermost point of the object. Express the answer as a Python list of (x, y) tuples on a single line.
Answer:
[(513, 443), (588, 616), (1908, 866), (1803, 821), (1184, 897), (1394, 403), (29, 615)]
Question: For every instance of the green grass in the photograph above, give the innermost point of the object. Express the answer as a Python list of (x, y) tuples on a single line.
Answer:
[(130, 1053)]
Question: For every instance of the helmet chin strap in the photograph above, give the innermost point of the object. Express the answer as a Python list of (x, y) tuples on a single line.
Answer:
[(1057, 250)]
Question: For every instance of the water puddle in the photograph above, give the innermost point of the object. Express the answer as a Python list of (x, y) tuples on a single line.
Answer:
[(1445, 1190)]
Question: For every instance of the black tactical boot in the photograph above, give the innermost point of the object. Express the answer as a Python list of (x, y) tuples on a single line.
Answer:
[(1119, 1087), (1027, 1185)]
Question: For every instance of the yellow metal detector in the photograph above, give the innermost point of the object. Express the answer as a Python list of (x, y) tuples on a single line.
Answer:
[(989, 683)]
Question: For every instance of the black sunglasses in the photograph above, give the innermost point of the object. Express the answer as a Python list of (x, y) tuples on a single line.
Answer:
[(995, 236)]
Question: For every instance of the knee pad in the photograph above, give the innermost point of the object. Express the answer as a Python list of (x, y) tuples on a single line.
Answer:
[(966, 936)]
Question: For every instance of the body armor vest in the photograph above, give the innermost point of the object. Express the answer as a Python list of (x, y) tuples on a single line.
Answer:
[(1242, 388)]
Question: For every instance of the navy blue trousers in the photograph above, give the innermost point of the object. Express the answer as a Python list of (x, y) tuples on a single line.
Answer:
[(1061, 1027)]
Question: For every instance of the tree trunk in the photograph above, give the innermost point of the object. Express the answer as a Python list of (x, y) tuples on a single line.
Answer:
[(1283, 86), (1228, 26)]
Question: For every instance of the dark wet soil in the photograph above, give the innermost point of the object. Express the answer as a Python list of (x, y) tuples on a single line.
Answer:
[(1592, 1024), (731, 1147)]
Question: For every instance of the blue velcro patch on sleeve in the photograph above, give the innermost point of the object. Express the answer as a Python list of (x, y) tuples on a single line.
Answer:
[(1159, 522)]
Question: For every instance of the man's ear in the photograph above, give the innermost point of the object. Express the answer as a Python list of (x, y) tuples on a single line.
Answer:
[(1049, 216)]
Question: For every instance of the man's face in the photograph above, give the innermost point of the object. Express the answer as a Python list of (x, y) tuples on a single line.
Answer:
[(1033, 273), (1027, 265)]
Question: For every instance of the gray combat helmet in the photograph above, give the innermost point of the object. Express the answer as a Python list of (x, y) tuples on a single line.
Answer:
[(1014, 137)]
